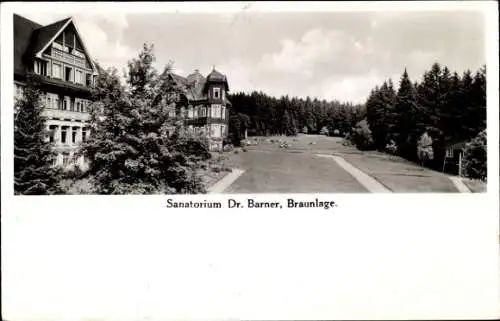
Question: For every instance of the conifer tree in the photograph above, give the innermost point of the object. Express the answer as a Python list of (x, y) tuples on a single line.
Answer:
[(405, 116), (34, 173), (131, 149)]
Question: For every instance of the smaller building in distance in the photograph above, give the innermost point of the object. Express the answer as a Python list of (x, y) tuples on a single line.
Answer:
[(204, 106), (56, 56)]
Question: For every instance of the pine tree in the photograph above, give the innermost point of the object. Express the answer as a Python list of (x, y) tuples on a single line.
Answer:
[(33, 153), (405, 117), (131, 149)]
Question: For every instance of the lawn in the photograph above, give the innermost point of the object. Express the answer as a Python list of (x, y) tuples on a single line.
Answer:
[(474, 185), (396, 173)]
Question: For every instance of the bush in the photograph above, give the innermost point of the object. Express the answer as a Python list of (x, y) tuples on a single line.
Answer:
[(305, 130), (424, 148), (336, 132), (362, 136), (324, 131), (244, 150), (475, 157), (228, 148), (236, 151), (391, 147)]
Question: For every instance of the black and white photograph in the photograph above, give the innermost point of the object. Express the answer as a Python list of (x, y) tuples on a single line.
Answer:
[(166, 103), (266, 160)]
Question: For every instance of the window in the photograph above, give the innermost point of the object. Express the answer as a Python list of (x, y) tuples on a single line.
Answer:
[(222, 131), (216, 93), (65, 104), (449, 153), (64, 133), (223, 95), (52, 133), (74, 134), (56, 70), (195, 112), (40, 67), (84, 134), (190, 112), (215, 130), (223, 112), (68, 74), (65, 159), (216, 111), (79, 77), (202, 112), (88, 79)]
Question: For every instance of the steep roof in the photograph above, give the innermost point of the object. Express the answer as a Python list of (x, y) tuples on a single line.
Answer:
[(216, 76), (43, 35), (23, 30), (30, 38), (192, 85)]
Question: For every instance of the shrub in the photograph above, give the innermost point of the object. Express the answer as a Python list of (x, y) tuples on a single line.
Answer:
[(305, 130), (424, 148), (391, 147), (362, 136), (324, 131), (336, 132), (244, 150), (475, 157), (228, 148)]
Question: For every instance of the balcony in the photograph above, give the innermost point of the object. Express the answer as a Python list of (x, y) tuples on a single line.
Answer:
[(65, 114), (48, 83), (68, 58)]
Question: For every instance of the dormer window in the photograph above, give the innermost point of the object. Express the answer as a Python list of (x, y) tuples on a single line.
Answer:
[(216, 93)]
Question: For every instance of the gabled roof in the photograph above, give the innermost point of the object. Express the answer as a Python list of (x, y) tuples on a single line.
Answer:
[(31, 38), (42, 36), (23, 30)]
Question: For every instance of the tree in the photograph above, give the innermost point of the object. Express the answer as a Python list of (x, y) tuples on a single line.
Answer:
[(424, 149), (131, 148), (475, 157), (34, 173), (406, 117), (362, 136)]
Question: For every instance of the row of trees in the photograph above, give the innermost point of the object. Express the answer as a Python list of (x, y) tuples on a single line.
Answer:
[(131, 149), (442, 109), (265, 115)]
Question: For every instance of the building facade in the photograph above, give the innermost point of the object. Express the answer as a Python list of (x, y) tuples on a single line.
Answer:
[(204, 105), (56, 57)]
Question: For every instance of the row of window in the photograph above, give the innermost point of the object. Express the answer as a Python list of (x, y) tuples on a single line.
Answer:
[(66, 136), (215, 111), (55, 101), (63, 72), (67, 160), (216, 130)]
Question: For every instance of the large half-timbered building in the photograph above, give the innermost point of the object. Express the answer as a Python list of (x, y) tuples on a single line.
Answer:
[(56, 56)]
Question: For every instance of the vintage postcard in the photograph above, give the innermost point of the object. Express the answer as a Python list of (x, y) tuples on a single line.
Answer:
[(159, 111)]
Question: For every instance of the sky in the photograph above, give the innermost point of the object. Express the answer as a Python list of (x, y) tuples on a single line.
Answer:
[(328, 55)]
